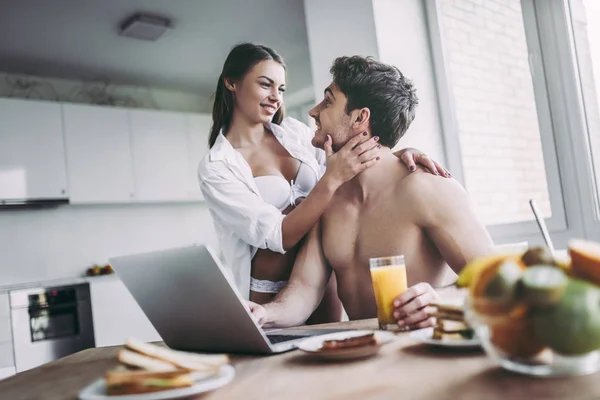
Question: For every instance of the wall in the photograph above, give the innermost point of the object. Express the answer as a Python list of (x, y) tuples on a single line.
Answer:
[(402, 39), (63, 242), (26, 86)]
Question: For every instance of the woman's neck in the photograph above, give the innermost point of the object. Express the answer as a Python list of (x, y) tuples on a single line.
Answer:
[(244, 133)]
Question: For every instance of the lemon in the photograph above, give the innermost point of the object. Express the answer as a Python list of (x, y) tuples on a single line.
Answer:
[(475, 267)]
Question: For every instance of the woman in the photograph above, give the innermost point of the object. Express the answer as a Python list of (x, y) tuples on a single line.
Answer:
[(265, 184)]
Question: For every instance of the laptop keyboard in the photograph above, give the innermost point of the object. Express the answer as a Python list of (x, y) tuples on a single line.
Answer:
[(274, 339)]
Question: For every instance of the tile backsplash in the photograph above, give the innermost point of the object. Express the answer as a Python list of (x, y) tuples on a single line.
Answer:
[(64, 241)]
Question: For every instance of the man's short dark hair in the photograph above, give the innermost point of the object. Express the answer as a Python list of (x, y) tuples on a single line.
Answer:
[(381, 88)]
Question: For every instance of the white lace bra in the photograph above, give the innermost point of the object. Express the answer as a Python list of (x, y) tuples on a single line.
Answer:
[(276, 190)]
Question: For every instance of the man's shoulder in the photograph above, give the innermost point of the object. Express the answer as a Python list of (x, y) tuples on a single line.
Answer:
[(421, 181), (430, 196)]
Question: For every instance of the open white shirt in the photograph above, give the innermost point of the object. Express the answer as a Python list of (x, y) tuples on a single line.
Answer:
[(244, 222)]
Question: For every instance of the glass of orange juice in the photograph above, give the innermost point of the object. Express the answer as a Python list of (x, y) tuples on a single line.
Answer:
[(388, 275)]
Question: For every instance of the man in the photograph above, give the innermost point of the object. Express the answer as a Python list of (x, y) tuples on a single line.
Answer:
[(383, 211)]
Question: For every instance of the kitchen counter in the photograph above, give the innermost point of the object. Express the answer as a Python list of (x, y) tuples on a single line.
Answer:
[(55, 282), (402, 369)]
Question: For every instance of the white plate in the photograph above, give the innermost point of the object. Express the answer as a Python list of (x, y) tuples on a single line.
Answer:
[(425, 336), (313, 345), (97, 389)]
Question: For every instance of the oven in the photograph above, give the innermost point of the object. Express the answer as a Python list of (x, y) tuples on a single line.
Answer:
[(50, 323)]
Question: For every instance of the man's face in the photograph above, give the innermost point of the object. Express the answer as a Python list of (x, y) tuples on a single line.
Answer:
[(331, 119)]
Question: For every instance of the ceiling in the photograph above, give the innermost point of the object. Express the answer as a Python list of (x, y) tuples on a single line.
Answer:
[(75, 39)]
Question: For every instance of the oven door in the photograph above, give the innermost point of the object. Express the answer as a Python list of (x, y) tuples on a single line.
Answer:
[(53, 322), (45, 331)]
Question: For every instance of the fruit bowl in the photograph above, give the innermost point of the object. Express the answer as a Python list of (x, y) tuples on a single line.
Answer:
[(512, 341), (537, 314)]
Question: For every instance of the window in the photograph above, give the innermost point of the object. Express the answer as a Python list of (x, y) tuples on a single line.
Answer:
[(585, 16), (487, 62)]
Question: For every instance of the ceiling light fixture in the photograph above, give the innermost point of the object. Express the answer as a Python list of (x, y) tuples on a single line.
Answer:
[(145, 27)]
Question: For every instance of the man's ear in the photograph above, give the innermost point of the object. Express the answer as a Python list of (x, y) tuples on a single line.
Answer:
[(362, 117), (229, 84)]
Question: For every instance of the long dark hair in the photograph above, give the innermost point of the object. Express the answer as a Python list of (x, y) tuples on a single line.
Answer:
[(241, 59)]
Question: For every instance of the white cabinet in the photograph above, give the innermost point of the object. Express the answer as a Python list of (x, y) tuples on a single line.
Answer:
[(99, 157), (32, 154), (198, 133), (7, 360), (5, 330), (117, 316), (160, 155)]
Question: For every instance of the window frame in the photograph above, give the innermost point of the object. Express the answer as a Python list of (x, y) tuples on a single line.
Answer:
[(559, 109), (582, 143)]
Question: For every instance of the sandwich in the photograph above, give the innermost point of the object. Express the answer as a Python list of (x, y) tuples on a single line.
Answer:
[(450, 322), (146, 368)]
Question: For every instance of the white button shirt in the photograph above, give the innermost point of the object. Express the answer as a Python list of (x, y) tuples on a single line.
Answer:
[(244, 222)]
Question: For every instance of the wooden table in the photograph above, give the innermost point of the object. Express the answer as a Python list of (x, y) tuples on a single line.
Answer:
[(402, 370)]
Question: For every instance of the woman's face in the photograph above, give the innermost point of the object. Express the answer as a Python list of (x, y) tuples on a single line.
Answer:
[(259, 94)]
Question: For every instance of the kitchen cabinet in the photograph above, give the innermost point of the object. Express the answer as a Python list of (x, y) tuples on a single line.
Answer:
[(7, 360), (99, 156), (5, 332), (160, 155), (32, 153), (198, 133), (117, 316)]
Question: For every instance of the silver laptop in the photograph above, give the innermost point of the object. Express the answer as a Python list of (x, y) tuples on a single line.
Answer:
[(186, 295)]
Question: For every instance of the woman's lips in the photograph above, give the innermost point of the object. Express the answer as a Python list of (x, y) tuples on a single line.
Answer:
[(271, 109)]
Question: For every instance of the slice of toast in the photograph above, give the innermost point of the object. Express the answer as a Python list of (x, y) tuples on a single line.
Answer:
[(180, 359), (355, 341), (125, 376), (142, 361), (138, 382)]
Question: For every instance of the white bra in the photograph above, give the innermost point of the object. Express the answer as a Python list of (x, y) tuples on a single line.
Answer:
[(276, 190)]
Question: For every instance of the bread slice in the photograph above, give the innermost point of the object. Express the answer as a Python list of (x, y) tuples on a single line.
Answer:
[(447, 316), (126, 376), (179, 359), (351, 342), (137, 360), (138, 382), (451, 329)]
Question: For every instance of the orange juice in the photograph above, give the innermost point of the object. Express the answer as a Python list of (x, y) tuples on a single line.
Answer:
[(389, 282)]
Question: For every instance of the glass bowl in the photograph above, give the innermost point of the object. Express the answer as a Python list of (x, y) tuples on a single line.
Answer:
[(510, 340)]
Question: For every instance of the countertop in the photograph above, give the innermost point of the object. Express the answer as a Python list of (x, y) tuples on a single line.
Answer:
[(402, 369), (55, 282)]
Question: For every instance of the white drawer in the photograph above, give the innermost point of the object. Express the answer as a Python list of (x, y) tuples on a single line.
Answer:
[(6, 355), (5, 329)]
